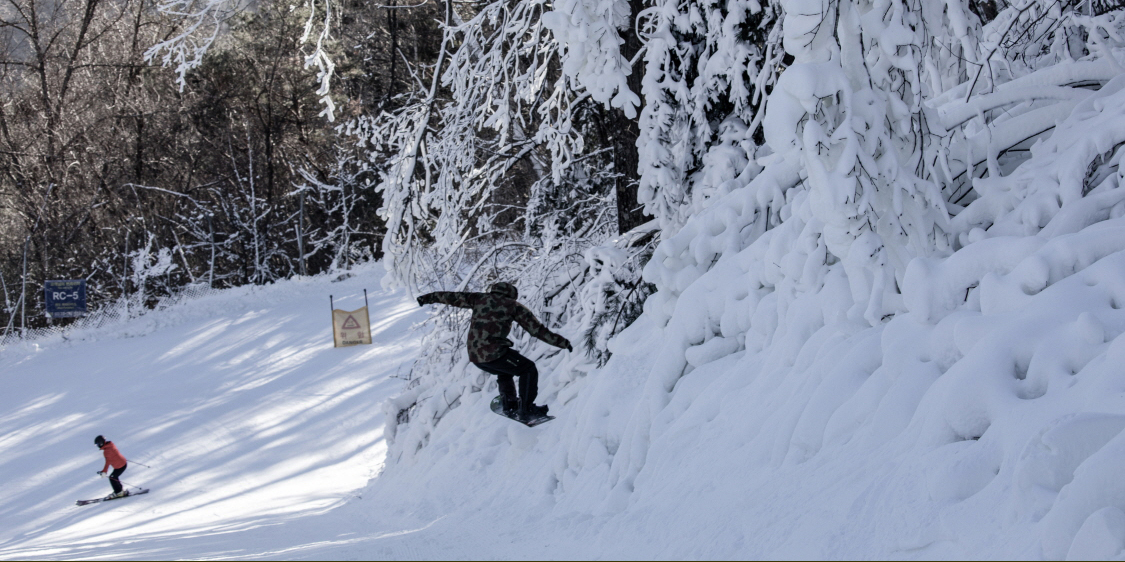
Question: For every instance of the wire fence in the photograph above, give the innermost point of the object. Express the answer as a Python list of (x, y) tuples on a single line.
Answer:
[(116, 313)]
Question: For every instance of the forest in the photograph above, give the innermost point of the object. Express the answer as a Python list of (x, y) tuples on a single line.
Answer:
[(152, 146)]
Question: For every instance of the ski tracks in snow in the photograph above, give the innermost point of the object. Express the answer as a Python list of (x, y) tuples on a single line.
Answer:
[(252, 422)]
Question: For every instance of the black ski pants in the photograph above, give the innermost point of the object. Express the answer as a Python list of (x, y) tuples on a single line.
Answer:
[(512, 364), (113, 478)]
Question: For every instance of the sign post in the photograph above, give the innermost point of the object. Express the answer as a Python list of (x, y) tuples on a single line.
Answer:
[(65, 298), (350, 327)]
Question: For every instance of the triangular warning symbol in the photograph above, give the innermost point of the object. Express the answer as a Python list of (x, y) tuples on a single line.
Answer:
[(350, 323)]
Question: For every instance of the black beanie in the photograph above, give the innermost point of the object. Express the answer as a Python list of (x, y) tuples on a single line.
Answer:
[(505, 290)]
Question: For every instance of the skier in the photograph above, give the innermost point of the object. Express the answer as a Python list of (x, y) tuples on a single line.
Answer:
[(491, 350), (113, 458)]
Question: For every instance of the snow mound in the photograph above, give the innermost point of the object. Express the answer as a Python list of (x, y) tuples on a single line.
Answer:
[(790, 394)]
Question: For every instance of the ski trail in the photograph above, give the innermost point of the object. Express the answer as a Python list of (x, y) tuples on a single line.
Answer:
[(248, 416)]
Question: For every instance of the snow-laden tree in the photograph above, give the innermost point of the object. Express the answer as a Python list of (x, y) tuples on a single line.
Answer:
[(881, 129), (331, 207), (204, 21), (490, 128), (707, 67), (899, 136), (494, 169), (588, 32), (895, 135)]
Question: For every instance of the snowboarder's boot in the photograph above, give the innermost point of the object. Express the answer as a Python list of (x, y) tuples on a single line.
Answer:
[(530, 412), (511, 405)]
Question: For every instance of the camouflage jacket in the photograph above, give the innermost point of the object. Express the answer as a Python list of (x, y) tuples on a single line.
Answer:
[(493, 315)]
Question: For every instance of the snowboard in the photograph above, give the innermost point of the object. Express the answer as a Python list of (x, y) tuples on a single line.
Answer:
[(131, 494), (498, 407)]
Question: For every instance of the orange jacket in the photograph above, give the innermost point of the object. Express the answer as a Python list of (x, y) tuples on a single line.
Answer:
[(113, 457)]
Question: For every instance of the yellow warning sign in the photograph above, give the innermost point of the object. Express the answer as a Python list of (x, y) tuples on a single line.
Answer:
[(351, 327)]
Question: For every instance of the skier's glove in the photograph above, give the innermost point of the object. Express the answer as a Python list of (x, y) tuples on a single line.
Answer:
[(424, 300), (569, 347), (101, 473)]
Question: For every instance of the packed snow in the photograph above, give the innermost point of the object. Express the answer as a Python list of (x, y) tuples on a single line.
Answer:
[(245, 415)]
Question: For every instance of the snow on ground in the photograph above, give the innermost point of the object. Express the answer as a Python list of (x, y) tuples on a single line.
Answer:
[(247, 415), (759, 409), (966, 432), (986, 422)]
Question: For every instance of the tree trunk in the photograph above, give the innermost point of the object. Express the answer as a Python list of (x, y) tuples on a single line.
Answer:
[(625, 132)]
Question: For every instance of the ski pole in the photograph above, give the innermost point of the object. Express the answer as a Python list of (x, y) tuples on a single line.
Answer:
[(140, 463), (128, 484)]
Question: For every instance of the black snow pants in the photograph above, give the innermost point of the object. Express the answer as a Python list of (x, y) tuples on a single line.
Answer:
[(113, 481), (509, 365)]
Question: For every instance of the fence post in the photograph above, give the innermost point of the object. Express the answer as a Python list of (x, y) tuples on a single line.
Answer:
[(23, 290), (301, 234), (7, 301), (211, 275), (10, 309), (125, 275)]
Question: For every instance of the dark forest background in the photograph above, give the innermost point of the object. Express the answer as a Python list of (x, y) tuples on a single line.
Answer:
[(112, 172)]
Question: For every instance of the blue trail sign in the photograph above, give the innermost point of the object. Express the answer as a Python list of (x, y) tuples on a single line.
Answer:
[(65, 298)]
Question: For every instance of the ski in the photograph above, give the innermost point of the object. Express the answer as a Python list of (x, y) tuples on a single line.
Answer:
[(131, 494)]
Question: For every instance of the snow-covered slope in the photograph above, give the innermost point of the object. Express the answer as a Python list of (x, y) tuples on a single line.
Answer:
[(246, 414), (991, 429), (777, 401)]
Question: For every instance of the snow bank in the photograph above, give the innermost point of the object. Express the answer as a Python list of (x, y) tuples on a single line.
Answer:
[(768, 404)]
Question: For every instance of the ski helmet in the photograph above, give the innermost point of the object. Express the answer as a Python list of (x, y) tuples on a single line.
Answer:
[(99, 441), (505, 290)]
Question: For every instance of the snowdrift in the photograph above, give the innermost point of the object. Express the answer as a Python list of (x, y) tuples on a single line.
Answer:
[(758, 408)]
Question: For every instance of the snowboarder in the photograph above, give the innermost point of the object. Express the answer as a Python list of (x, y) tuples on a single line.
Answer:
[(491, 350), (113, 458)]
